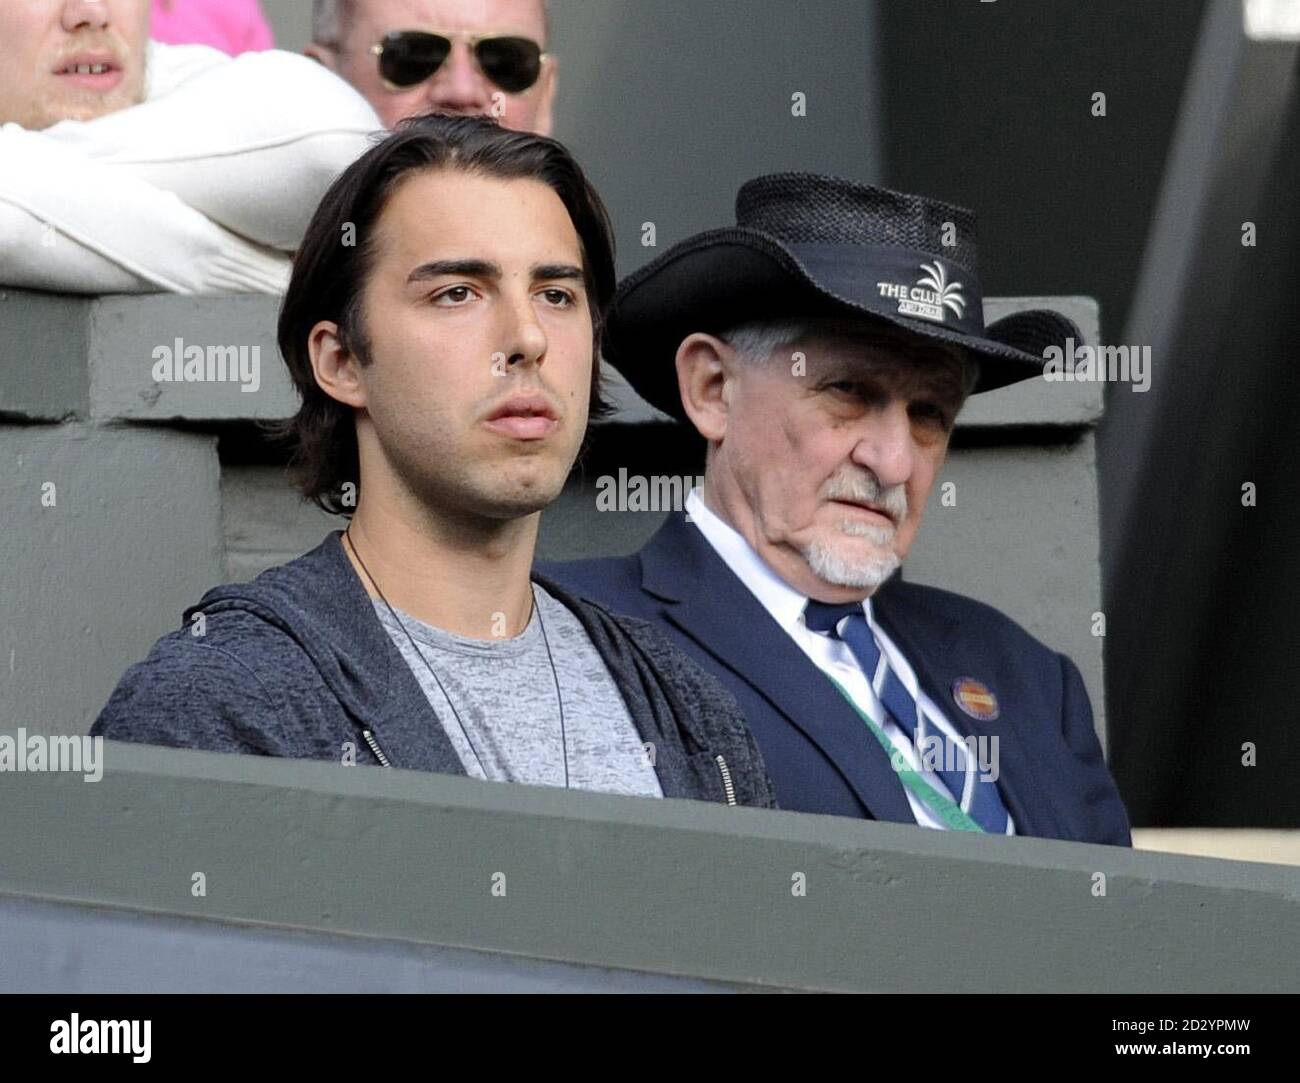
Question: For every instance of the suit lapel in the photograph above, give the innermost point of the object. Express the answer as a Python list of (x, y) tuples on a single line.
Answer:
[(709, 603), (939, 657)]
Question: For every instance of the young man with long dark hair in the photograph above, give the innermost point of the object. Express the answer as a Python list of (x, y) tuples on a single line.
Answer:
[(443, 327)]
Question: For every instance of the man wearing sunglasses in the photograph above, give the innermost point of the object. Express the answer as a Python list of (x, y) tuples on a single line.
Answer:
[(406, 57)]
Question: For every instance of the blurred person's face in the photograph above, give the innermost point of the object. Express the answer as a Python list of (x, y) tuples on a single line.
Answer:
[(459, 85), (823, 466), (70, 59), (476, 396)]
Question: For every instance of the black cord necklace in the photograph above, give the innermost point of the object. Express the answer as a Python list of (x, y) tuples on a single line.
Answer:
[(559, 699)]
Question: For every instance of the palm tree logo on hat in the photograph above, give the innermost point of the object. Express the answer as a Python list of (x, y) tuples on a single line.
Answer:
[(949, 292)]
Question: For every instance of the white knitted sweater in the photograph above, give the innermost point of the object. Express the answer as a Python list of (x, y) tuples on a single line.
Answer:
[(204, 187)]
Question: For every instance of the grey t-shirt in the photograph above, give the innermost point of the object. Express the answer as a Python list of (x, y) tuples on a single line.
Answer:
[(504, 694)]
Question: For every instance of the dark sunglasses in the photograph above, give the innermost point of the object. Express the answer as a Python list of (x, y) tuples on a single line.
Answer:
[(408, 57)]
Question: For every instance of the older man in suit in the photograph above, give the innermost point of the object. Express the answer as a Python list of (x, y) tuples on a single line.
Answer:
[(823, 348)]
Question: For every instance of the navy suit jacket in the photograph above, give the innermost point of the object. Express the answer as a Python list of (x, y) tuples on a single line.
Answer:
[(821, 758)]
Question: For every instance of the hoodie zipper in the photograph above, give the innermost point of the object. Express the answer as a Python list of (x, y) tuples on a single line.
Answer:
[(727, 786), (374, 747)]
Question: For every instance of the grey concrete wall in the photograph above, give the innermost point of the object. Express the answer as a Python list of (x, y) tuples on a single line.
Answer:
[(66, 948), (690, 889), (108, 534)]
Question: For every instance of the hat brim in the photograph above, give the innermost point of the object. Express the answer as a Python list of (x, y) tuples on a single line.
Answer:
[(729, 276)]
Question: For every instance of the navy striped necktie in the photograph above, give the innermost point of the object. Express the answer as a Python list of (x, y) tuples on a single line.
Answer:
[(848, 622)]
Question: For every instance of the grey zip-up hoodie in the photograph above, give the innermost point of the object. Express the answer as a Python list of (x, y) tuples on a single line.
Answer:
[(296, 663)]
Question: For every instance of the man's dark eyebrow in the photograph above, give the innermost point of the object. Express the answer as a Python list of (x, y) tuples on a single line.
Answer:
[(475, 268), (481, 268), (556, 270)]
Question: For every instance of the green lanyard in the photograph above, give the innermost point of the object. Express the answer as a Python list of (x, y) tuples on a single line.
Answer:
[(944, 807)]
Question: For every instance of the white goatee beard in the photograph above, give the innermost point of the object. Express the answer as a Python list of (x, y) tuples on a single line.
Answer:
[(860, 573)]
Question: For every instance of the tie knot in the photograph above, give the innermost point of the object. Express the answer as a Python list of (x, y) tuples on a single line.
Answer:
[(821, 617)]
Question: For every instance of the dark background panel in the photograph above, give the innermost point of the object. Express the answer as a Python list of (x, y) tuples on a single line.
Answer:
[(989, 105)]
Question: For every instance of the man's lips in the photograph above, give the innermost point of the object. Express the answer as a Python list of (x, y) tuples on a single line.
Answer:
[(524, 417), (91, 71), (869, 509)]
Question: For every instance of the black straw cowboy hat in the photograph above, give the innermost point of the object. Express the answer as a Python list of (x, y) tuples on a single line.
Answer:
[(808, 245)]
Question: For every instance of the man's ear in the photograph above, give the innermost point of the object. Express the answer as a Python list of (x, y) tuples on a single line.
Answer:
[(704, 383), (323, 54), (336, 370), (545, 108)]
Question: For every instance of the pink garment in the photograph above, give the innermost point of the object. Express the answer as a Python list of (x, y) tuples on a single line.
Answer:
[(233, 26)]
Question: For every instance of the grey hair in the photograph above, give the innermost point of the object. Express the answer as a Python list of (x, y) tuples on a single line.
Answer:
[(329, 19), (758, 341)]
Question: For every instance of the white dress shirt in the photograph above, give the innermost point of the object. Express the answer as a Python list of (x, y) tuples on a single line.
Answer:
[(831, 655)]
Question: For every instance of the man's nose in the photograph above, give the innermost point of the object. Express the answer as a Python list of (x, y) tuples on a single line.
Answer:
[(458, 85), (80, 14), (524, 337), (885, 445)]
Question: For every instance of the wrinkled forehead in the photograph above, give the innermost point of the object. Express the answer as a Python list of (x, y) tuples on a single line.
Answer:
[(378, 17)]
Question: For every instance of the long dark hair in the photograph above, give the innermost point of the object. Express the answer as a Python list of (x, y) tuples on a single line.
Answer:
[(337, 254)]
